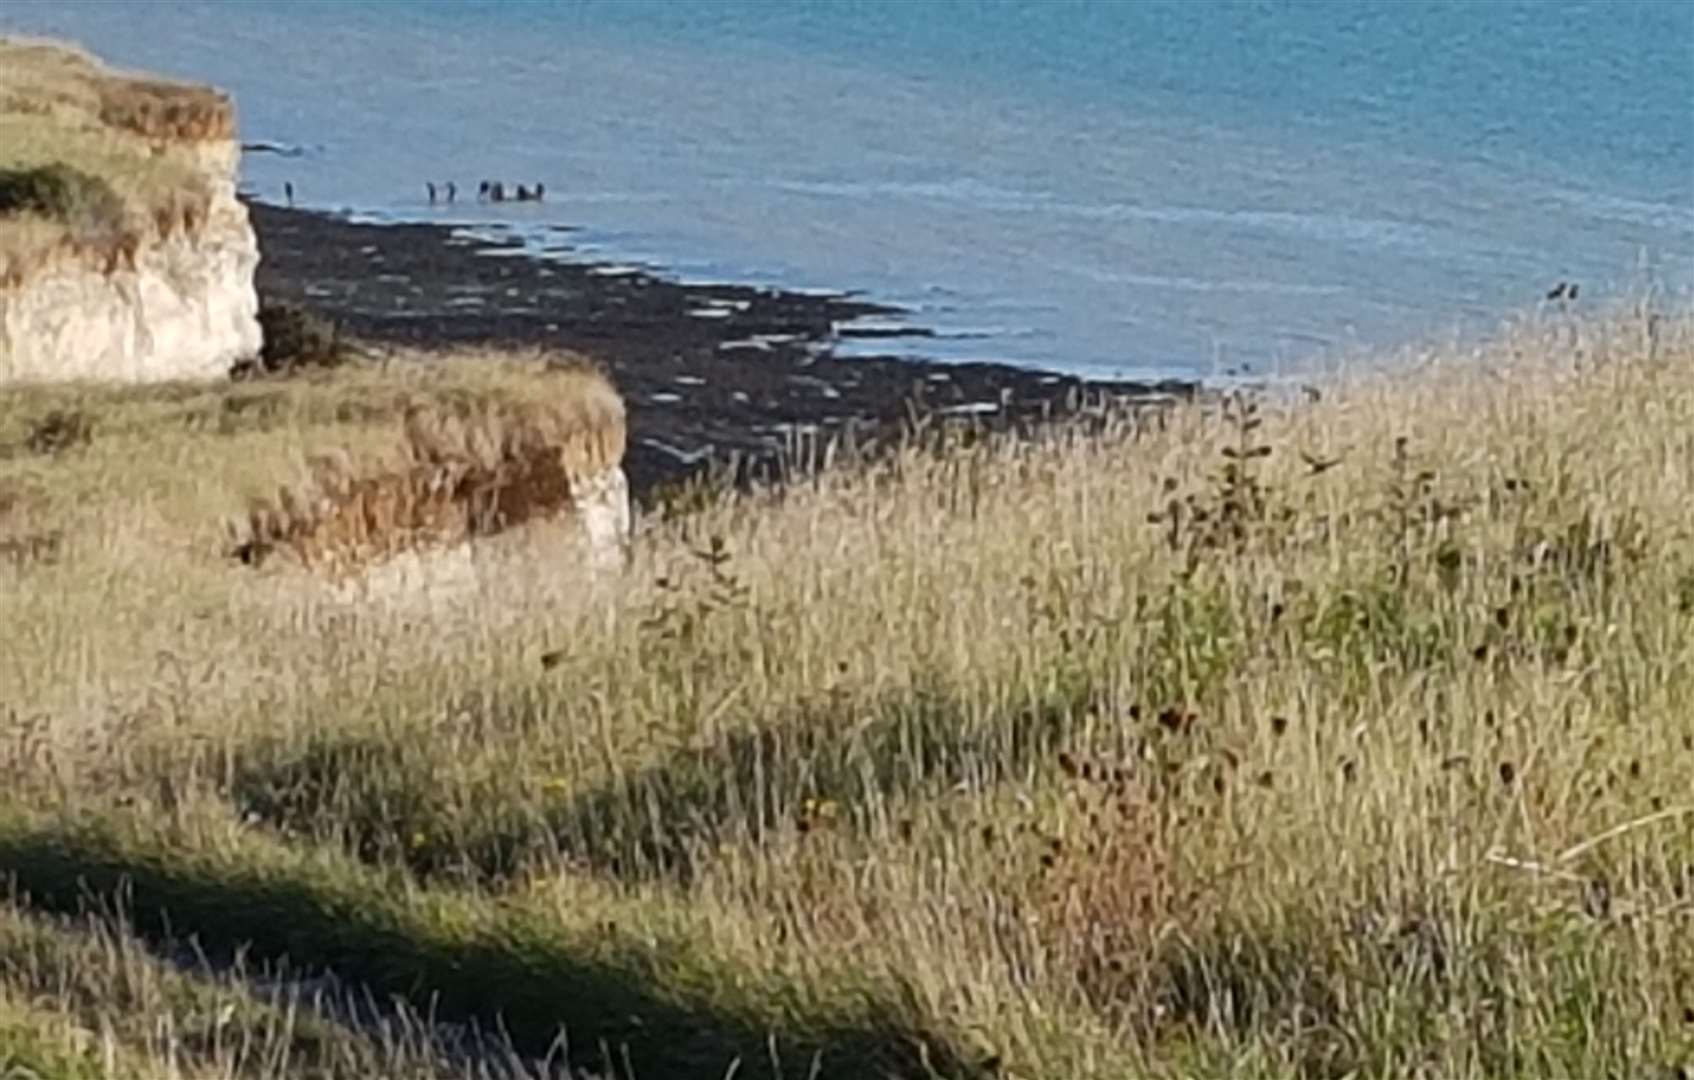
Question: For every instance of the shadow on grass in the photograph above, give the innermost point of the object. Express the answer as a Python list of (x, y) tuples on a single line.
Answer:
[(392, 800), (653, 1012), (91, 973)]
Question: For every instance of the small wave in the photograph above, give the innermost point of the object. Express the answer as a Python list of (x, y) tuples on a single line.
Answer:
[(1640, 212), (280, 149), (960, 190), (985, 196), (610, 198), (987, 333), (1209, 285)]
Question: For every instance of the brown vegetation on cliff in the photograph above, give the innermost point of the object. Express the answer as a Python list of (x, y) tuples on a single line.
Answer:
[(469, 465), (335, 468), (95, 161)]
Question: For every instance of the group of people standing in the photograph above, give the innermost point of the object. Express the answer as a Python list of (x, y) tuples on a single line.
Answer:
[(487, 191)]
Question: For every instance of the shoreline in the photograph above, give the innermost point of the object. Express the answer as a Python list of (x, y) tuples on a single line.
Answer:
[(707, 372)]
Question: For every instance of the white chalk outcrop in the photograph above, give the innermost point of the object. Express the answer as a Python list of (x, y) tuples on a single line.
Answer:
[(600, 504), (164, 289)]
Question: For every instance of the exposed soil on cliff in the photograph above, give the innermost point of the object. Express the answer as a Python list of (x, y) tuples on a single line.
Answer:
[(709, 372)]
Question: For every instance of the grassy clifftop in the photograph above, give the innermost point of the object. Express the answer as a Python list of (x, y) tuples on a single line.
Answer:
[(1346, 739), (94, 161)]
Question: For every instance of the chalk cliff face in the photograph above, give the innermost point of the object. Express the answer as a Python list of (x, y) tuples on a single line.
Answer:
[(185, 309), (156, 283)]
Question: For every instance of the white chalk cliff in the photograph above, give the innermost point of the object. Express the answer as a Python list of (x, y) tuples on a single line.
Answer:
[(173, 297), (186, 309)]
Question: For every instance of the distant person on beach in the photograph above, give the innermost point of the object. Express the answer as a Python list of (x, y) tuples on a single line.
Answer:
[(523, 193), (482, 192), (497, 192), (452, 191), (540, 191), (430, 184), (288, 191)]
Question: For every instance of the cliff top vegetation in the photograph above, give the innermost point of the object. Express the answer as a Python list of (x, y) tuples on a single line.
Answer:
[(1252, 738), (93, 160), (280, 463)]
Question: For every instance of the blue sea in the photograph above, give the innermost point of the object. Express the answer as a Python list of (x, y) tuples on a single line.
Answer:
[(1131, 188)]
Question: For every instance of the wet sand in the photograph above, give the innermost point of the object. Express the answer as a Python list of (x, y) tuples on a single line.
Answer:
[(709, 372)]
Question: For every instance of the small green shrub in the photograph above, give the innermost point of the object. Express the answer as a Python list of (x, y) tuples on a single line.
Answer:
[(295, 338), (64, 194)]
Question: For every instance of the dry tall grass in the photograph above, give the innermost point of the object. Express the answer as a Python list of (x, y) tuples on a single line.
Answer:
[(1340, 739), (65, 112)]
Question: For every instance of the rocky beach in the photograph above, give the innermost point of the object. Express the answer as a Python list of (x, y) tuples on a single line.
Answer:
[(709, 372)]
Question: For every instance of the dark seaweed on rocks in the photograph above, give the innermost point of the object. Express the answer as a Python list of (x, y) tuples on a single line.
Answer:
[(717, 378)]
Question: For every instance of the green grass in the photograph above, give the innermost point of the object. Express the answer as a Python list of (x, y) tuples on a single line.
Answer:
[(1135, 749), (536, 972), (87, 997)]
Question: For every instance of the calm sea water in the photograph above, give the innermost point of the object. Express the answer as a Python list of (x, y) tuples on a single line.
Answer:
[(1142, 188)]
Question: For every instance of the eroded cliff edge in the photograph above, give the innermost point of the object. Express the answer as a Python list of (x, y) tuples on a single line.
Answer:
[(124, 253)]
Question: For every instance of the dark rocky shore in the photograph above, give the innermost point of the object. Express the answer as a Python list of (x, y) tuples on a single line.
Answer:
[(719, 372)]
